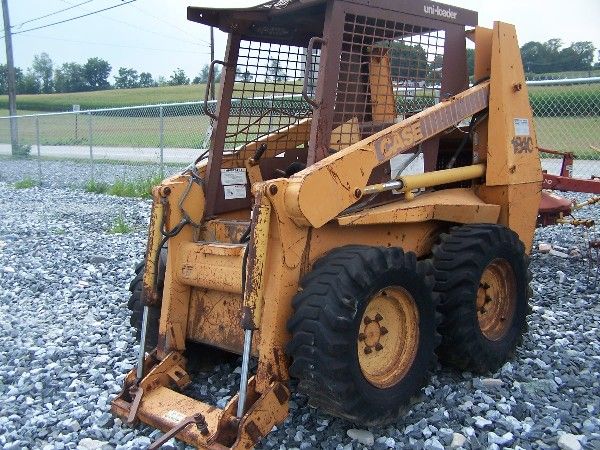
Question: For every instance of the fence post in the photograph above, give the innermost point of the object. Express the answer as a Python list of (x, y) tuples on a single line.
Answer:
[(161, 137), (91, 141), (39, 153)]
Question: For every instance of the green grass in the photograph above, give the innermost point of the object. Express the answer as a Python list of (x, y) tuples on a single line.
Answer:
[(25, 183), (574, 134), (134, 188), (112, 98), (119, 226), (97, 187), (115, 98), (566, 74), (141, 187)]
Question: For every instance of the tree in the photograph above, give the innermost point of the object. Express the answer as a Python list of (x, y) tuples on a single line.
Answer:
[(548, 56), (4, 78), (470, 61), (202, 77), (244, 76), (29, 84), (96, 72), (578, 56), (178, 78), (42, 70), (70, 78), (414, 64), (126, 78), (275, 70), (146, 80)]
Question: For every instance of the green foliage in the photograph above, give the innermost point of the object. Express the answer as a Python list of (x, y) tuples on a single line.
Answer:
[(106, 99), (558, 101), (134, 188), (146, 80), (409, 62), (127, 78), (120, 226), (96, 72), (26, 183), (21, 150), (549, 56), (42, 68), (178, 78), (70, 77), (97, 187), (275, 70)]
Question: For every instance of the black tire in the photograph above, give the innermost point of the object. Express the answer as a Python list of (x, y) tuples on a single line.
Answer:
[(325, 326), (136, 305), (460, 260)]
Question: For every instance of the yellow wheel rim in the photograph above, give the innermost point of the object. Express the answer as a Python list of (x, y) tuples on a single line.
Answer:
[(388, 338), (496, 299)]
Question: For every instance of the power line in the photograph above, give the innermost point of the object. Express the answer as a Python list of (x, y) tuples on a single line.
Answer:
[(74, 18), (51, 14), (161, 20), (115, 45), (152, 32)]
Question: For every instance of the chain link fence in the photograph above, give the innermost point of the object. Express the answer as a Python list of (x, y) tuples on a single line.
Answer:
[(567, 119), (149, 142)]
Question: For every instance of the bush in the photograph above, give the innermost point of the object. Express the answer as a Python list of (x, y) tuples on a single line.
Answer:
[(21, 150), (25, 183)]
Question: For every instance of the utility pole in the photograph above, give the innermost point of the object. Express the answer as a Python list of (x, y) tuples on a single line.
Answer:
[(12, 89), (212, 58)]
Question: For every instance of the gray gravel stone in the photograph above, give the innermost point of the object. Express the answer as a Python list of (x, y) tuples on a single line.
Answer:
[(65, 342)]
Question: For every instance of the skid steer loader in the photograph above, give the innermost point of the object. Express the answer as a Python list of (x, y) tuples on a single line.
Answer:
[(362, 210)]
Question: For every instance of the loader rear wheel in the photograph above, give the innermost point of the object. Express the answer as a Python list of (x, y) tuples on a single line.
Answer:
[(136, 305), (363, 332), (481, 274)]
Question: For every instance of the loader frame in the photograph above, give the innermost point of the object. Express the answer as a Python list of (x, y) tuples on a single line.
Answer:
[(232, 288)]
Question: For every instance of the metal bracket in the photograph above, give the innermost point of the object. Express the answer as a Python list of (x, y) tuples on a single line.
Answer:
[(307, 69), (198, 419), (209, 82), (139, 392)]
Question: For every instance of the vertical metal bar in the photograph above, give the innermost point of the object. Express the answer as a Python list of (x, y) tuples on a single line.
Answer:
[(329, 66), (161, 132), (142, 351), (91, 142), (39, 155), (244, 375), (217, 143)]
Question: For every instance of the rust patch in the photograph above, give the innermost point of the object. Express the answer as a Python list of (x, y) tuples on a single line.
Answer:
[(253, 432), (281, 393)]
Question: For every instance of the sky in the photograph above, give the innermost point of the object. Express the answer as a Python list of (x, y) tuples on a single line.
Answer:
[(154, 35)]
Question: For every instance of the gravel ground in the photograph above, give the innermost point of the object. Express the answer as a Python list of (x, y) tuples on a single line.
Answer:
[(65, 344)]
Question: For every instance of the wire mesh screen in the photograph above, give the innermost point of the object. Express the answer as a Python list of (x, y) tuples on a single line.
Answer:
[(388, 70), (267, 95)]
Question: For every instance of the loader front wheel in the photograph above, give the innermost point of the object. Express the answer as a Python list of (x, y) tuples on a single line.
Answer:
[(363, 332), (481, 274)]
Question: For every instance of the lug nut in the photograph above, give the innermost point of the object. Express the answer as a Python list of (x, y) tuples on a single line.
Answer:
[(383, 331), (361, 336), (368, 350), (378, 317), (367, 320), (378, 347)]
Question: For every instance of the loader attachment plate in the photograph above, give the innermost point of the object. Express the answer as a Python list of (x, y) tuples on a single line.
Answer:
[(164, 408)]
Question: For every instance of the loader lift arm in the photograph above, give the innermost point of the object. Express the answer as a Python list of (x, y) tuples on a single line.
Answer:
[(344, 175)]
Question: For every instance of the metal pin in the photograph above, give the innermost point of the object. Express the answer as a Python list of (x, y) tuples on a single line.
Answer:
[(142, 352), (244, 375)]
